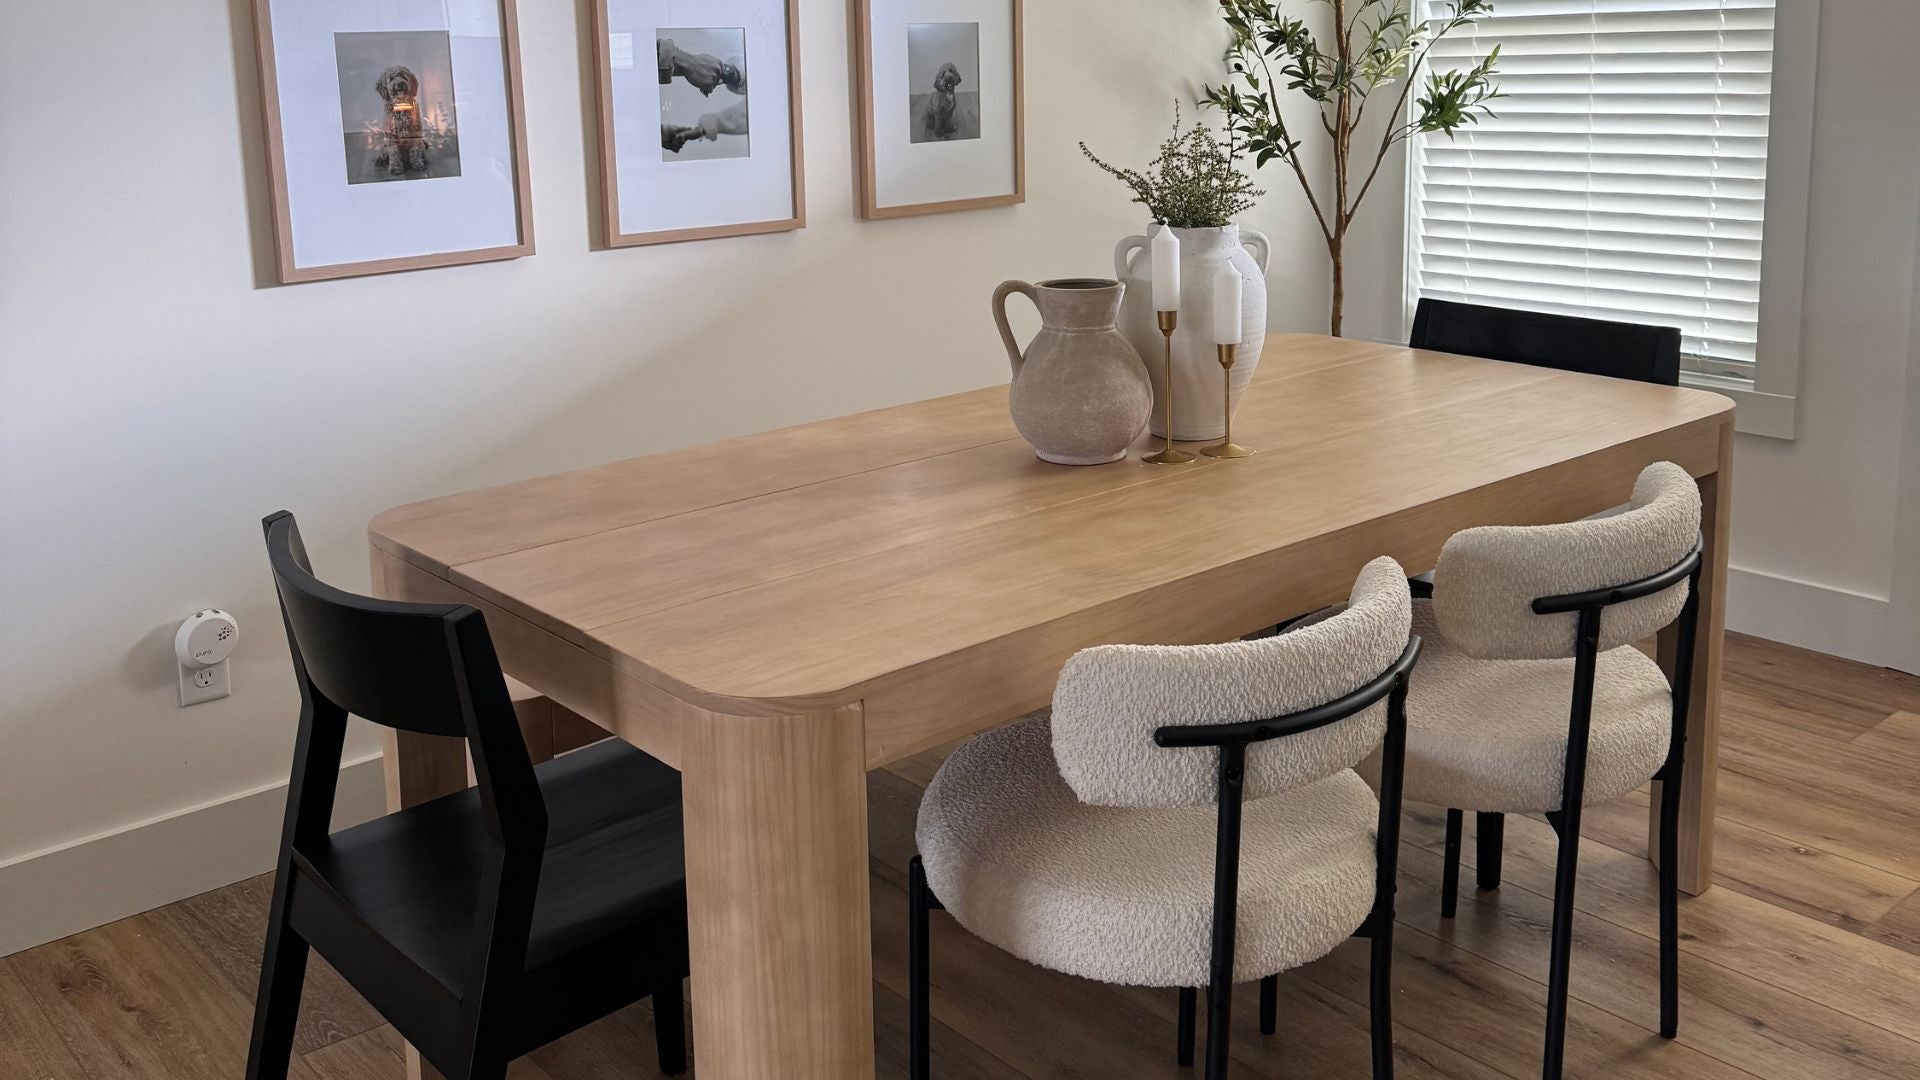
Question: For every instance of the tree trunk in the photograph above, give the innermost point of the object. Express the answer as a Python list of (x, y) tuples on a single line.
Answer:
[(1339, 287)]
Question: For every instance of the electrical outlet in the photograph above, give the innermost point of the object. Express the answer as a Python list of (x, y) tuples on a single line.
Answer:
[(203, 684)]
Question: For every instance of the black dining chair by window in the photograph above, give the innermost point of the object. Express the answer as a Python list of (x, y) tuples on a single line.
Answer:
[(1619, 350), (488, 923)]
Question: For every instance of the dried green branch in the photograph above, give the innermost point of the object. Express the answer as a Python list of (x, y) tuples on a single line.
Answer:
[(1193, 183)]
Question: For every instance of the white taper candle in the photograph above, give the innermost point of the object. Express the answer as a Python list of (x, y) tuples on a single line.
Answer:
[(1166, 270), (1226, 305)]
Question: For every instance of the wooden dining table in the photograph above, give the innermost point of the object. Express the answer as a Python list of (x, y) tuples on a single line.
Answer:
[(777, 614)]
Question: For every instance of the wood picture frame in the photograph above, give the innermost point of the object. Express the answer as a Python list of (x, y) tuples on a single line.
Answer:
[(613, 234), (291, 270), (874, 204)]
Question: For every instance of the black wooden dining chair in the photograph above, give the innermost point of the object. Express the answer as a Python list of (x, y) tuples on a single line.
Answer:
[(487, 923), (1620, 350)]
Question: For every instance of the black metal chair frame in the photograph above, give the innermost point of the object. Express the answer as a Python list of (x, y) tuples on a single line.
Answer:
[(429, 669), (1589, 606), (1233, 741)]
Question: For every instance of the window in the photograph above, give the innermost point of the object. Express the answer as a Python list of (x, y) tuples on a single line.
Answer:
[(1625, 175)]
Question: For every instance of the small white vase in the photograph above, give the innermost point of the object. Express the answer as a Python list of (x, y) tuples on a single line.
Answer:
[(1197, 404)]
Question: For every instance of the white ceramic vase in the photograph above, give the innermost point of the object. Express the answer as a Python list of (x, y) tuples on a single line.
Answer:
[(1197, 403)]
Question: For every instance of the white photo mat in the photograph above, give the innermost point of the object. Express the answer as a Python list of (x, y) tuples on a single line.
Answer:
[(729, 186), (904, 175), (332, 219)]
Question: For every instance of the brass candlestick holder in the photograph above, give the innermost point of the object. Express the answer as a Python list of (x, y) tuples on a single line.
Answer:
[(1227, 447), (1169, 320)]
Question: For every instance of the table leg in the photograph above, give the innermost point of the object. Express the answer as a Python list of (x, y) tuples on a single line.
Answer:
[(776, 828), (1703, 711), (420, 768)]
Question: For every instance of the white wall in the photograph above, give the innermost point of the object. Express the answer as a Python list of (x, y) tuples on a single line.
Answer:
[(158, 395), (1814, 518)]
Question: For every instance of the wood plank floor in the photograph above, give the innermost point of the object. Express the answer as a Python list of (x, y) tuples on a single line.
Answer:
[(1803, 964)]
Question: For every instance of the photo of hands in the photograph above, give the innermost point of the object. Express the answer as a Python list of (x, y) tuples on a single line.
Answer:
[(703, 93)]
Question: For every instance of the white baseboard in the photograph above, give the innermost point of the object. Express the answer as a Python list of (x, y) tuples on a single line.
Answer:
[(77, 886), (1813, 616)]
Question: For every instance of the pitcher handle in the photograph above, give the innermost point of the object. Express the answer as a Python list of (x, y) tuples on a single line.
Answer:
[(1263, 247), (1123, 255), (1006, 289)]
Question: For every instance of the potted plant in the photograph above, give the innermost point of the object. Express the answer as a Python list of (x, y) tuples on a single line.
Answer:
[(1195, 188), (1376, 47)]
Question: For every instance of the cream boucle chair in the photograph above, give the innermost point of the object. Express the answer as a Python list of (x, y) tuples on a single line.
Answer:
[(1105, 840), (1532, 697)]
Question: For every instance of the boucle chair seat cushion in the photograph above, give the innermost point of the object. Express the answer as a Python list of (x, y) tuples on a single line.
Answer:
[(1491, 735), (1125, 894)]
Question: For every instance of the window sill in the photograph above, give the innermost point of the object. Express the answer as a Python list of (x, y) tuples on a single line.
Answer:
[(1767, 415)]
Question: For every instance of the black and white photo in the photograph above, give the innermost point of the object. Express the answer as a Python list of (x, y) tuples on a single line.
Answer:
[(943, 77), (942, 105), (395, 134), (704, 141), (397, 105), (703, 93)]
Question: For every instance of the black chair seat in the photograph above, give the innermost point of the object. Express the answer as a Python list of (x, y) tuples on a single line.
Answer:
[(614, 859)]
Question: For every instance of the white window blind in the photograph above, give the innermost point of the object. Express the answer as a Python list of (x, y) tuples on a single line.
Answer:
[(1624, 176)]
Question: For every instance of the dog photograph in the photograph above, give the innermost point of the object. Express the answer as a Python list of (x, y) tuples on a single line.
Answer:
[(397, 105), (943, 79), (703, 93)]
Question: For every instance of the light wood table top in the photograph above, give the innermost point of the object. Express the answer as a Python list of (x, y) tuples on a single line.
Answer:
[(803, 568), (777, 614)]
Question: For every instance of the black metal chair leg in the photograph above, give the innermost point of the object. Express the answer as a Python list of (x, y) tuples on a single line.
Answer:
[(283, 970), (1489, 834), (1670, 904), (1565, 876), (670, 1028), (1380, 998), (1183, 1044), (919, 1020), (1450, 871), (1269, 1004)]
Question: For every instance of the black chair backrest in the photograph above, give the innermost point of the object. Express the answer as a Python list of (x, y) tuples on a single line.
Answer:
[(423, 668), (1566, 342)]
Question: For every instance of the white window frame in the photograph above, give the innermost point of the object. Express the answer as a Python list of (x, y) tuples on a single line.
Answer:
[(1767, 404)]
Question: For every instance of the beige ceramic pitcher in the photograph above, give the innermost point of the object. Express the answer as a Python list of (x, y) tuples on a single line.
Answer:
[(1080, 394)]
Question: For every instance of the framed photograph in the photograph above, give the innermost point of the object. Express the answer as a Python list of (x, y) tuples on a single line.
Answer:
[(395, 134), (704, 141), (942, 105)]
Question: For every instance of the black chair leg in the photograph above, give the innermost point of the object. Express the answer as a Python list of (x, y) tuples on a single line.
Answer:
[(1269, 1003), (1670, 904), (1565, 875), (670, 1028), (1183, 1039), (1219, 1029), (283, 969), (1380, 997), (1489, 835), (1450, 871), (919, 1020)]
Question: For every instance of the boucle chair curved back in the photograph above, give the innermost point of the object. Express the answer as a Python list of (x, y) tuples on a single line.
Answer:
[(1488, 578), (1111, 698)]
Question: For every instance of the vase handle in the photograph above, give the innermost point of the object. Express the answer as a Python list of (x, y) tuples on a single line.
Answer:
[(1123, 255), (1263, 247), (1006, 289)]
